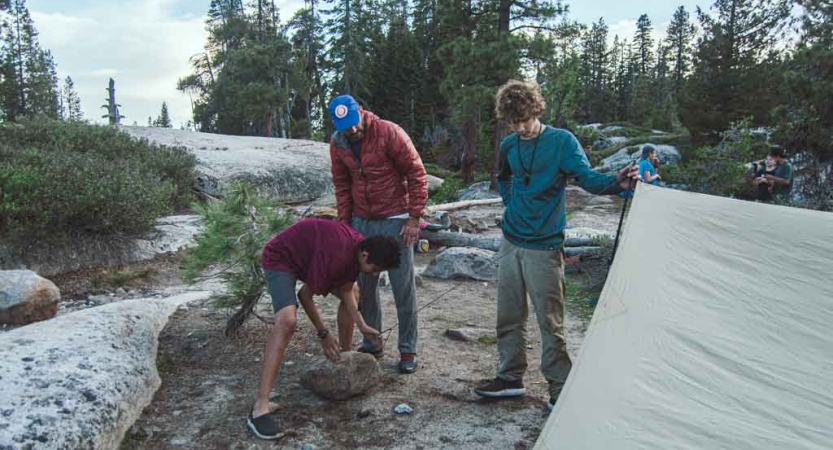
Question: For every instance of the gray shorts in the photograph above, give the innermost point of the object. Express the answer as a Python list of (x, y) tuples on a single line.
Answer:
[(281, 287)]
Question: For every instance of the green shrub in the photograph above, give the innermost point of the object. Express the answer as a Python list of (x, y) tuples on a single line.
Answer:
[(437, 171), (447, 192), (60, 179), (586, 135), (721, 170)]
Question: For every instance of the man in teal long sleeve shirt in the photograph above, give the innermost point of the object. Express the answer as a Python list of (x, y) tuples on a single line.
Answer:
[(536, 163)]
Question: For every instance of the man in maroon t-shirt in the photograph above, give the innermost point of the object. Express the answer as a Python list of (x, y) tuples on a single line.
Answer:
[(327, 257)]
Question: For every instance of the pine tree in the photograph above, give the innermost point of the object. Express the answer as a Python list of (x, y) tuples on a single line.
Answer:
[(664, 109), (729, 81), (235, 231), (29, 84), (164, 119), (397, 71), (307, 44), (680, 36), (352, 26), (71, 102), (243, 79), (804, 119), (595, 77), (643, 43)]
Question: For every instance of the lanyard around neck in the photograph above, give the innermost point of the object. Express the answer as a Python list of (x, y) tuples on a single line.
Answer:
[(528, 172)]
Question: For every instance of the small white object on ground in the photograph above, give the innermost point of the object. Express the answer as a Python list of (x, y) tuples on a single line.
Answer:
[(403, 409)]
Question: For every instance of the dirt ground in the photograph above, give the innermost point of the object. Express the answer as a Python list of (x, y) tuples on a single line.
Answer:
[(208, 382)]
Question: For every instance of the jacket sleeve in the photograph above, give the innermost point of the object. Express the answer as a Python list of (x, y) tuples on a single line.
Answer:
[(504, 175), (343, 183), (574, 162), (405, 158)]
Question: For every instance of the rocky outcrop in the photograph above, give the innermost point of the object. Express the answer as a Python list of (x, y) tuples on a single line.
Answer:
[(79, 381), (26, 297), (288, 170), (354, 374)]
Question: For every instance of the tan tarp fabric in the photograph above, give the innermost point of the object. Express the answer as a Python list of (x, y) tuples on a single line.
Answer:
[(714, 331)]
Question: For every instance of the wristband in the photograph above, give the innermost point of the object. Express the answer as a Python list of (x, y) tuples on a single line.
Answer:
[(323, 333)]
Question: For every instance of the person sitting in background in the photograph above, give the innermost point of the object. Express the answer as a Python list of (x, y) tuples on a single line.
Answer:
[(646, 165), (781, 180), (762, 186)]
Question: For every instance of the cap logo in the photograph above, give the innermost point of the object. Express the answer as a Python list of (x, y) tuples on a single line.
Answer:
[(341, 112)]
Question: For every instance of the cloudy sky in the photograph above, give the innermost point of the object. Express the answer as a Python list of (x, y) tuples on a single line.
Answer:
[(145, 44)]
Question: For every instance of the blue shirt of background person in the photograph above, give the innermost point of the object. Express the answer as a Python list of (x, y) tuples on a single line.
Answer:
[(646, 166)]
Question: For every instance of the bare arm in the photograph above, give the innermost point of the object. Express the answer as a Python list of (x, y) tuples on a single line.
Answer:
[(777, 181), (305, 297), (346, 294), (329, 344)]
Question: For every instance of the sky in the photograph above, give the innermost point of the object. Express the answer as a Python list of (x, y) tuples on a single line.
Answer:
[(145, 45)]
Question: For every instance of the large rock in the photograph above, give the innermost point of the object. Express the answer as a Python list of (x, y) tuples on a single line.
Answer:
[(288, 170), (434, 183), (668, 154), (25, 297), (457, 262), (79, 381), (354, 374), (171, 234), (477, 191)]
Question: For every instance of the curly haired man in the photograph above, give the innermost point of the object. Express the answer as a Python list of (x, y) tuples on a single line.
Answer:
[(536, 162)]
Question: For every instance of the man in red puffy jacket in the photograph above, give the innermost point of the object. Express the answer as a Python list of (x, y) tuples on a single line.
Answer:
[(381, 188)]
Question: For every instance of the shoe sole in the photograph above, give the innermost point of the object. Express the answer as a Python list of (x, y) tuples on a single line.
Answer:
[(253, 429), (407, 371), (502, 394)]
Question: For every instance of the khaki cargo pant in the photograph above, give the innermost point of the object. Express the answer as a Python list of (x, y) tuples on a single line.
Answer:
[(539, 273)]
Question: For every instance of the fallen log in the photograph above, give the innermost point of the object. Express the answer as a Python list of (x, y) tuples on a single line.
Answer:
[(581, 251), (452, 239), (462, 205)]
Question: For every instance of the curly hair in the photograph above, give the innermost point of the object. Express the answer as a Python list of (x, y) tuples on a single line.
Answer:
[(382, 250), (518, 101)]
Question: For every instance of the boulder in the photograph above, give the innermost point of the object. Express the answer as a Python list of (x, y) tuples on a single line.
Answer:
[(477, 191), (354, 374), (668, 154), (288, 170), (81, 379), (434, 183), (25, 297), (456, 262)]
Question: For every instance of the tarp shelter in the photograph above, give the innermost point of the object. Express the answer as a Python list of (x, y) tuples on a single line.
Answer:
[(714, 331)]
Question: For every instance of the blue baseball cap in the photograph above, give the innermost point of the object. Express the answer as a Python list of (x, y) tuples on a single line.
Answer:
[(344, 111)]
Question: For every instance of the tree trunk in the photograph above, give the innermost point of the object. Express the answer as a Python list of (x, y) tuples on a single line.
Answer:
[(469, 147), (461, 205), (504, 18), (452, 239)]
